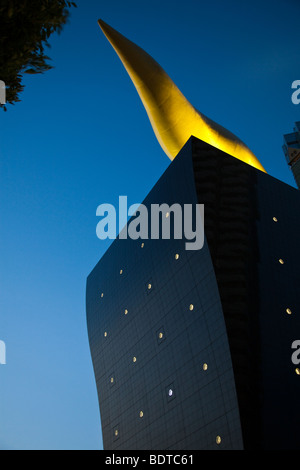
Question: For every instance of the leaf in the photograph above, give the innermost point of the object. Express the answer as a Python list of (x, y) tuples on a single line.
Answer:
[(26, 27)]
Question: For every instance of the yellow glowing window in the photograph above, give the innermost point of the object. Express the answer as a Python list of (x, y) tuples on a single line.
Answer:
[(289, 311), (121, 271), (134, 359), (205, 366), (281, 261), (141, 414), (126, 311), (116, 432), (161, 335), (142, 245), (102, 295), (112, 380), (105, 334), (275, 219), (177, 256), (149, 286), (218, 440), (191, 307), (298, 371)]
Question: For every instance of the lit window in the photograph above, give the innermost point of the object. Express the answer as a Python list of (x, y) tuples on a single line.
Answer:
[(205, 366), (116, 432), (102, 295), (275, 219), (218, 440), (161, 336), (112, 380), (289, 311), (134, 359), (177, 256), (126, 311), (141, 414), (170, 392), (281, 261), (121, 271), (191, 307), (149, 286), (105, 334), (298, 371), (142, 245)]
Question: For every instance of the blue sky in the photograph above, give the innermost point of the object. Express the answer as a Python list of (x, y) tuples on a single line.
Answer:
[(80, 138)]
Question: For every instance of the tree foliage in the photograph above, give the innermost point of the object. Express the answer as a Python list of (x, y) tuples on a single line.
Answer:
[(25, 29)]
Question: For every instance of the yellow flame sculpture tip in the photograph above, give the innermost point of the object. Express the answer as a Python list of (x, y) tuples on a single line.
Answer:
[(173, 118)]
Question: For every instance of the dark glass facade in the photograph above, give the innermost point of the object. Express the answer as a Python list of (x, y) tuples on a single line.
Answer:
[(291, 150), (192, 349)]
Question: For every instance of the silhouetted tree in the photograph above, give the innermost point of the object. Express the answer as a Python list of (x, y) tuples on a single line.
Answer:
[(25, 28)]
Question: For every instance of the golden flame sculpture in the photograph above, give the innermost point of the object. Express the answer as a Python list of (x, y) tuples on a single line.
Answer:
[(173, 118)]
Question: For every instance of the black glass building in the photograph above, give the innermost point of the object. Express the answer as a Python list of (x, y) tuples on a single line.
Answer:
[(291, 150), (193, 349)]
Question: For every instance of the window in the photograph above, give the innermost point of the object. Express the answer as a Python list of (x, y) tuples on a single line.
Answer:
[(281, 261), (289, 311), (170, 392), (142, 245), (298, 371), (134, 359), (105, 334), (149, 286), (191, 307), (160, 335), (275, 219), (102, 295), (126, 311), (205, 366), (121, 271), (177, 256), (218, 440), (141, 414)]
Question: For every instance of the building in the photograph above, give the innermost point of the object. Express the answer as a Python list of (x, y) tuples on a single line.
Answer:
[(291, 150), (197, 350), (193, 349)]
